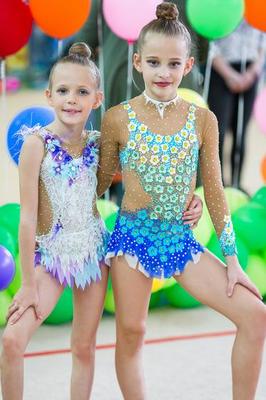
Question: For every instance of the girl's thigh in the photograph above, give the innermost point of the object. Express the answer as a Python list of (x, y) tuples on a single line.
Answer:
[(49, 291), (207, 281), (88, 306), (132, 291)]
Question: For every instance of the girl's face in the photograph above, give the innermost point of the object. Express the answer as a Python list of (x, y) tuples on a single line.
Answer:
[(163, 62), (73, 94)]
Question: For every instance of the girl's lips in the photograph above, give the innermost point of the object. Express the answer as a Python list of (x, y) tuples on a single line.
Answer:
[(72, 111), (162, 84)]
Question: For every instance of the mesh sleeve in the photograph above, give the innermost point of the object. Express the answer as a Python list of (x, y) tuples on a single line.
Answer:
[(213, 187)]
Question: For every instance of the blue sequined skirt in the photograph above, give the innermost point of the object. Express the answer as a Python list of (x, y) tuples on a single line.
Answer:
[(158, 248)]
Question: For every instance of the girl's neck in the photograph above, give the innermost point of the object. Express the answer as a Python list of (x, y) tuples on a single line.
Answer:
[(160, 105), (68, 134)]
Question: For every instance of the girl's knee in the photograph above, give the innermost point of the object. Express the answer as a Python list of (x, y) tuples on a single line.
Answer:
[(132, 331), (12, 346), (255, 323), (83, 350)]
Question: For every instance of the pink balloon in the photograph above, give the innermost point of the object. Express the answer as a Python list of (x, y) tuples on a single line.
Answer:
[(259, 110), (127, 17)]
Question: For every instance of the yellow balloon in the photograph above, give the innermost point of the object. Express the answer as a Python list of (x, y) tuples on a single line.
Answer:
[(157, 284), (192, 97)]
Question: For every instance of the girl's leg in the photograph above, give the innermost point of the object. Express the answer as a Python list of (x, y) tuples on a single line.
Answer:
[(88, 307), (132, 294), (207, 281), (16, 337)]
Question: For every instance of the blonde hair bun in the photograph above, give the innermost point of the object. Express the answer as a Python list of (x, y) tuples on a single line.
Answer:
[(80, 49), (167, 10)]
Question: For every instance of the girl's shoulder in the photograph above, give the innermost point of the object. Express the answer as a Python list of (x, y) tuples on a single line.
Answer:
[(118, 114), (93, 137), (26, 131)]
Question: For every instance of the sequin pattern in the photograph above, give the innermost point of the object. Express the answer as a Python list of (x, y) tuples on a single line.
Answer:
[(165, 165), (74, 248), (160, 175)]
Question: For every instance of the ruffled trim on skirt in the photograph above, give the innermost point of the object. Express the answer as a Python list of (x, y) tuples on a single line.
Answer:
[(75, 272), (138, 258)]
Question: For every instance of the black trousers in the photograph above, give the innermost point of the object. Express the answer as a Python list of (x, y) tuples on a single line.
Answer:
[(224, 104)]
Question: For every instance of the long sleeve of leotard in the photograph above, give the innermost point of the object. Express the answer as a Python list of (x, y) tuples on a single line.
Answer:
[(109, 153), (213, 187)]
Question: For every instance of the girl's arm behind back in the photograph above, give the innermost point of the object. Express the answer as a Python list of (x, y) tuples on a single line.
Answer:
[(109, 151)]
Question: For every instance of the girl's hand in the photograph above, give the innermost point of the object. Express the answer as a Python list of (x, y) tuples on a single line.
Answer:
[(26, 297), (236, 275), (194, 212)]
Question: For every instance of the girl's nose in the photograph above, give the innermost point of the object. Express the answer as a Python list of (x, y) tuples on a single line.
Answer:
[(72, 98), (164, 73)]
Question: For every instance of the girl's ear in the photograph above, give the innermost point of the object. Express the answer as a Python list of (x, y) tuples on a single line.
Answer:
[(137, 62), (48, 96), (98, 99), (188, 66)]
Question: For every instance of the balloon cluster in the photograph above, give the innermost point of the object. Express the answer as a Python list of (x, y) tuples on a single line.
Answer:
[(52, 16), (215, 19), (212, 19)]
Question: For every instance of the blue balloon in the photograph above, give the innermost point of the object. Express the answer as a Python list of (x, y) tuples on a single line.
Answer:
[(30, 116)]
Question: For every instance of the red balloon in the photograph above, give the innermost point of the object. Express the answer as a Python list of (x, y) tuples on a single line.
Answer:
[(255, 13), (60, 18), (15, 26)]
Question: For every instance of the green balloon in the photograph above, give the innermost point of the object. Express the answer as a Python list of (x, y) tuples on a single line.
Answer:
[(106, 208), (109, 303), (205, 228), (214, 19), (263, 254), (180, 298), (155, 300), (5, 301), (7, 241), (250, 225), (243, 252), (63, 311), (235, 198), (16, 282), (260, 197), (256, 270), (9, 218), (110, 222)]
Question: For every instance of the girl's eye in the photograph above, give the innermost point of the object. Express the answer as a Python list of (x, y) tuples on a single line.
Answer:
[(62, 90), (153, 63), (175, 64), (84, 92)]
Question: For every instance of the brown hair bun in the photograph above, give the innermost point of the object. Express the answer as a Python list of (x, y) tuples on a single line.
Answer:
[(80, 49), (167, 10)]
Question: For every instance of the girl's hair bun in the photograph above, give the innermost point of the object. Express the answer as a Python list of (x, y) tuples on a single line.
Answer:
[(80, 49), (167, 10)]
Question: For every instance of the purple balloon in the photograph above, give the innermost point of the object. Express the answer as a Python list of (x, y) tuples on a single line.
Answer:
[(7, 268)]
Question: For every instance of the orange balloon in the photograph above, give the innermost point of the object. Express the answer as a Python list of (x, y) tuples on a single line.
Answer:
[(263, 169), (255, 13), (60, 18)]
